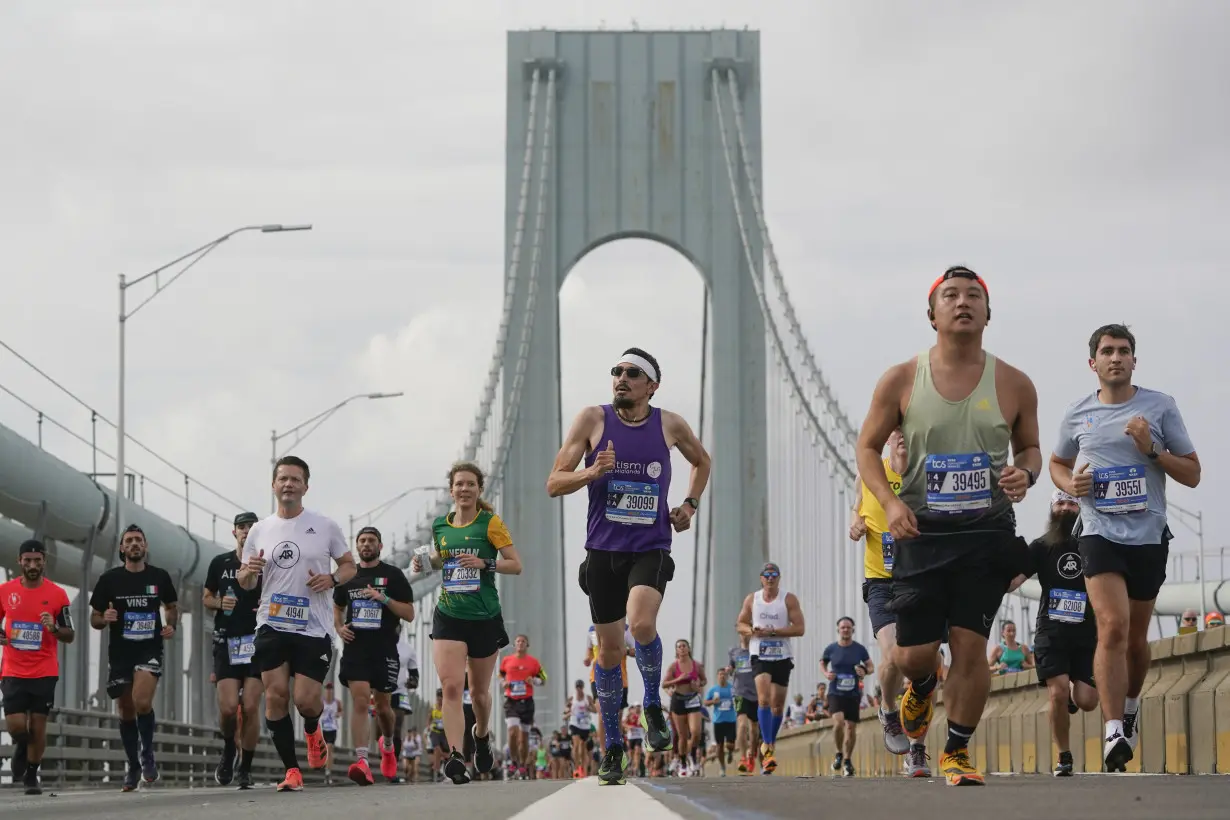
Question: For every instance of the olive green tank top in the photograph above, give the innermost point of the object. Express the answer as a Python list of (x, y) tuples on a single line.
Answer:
[(957, 450)]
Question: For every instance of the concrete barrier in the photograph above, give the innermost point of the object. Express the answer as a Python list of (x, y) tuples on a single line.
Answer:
[(1184, 723)]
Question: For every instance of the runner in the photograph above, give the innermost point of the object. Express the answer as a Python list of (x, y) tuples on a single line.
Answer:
[(407, 682), (591, 660), (1010, 656), (368, 611), (747, 729), (770, 619), (628, 562), (520, 672), (958, 408), (580, 709), (130, 601), (686, 679), (1066, 633), (411, 749), (1124, 434), (36, 619), (290, 554), (331, 707), (234, 611), (636, 740), (467, 629), (721, 699), (437, 739), (845, 663)]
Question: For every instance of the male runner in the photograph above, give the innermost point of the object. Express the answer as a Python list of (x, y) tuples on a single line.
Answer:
[(289, 554), (956, 551), (234, 611), (1066, 635), (520, 672), (1131, 438), (36, 619), (130, 601), (368, 611), (628, 562), (746, 704), (845, 662), (721, 698), (770, 618)]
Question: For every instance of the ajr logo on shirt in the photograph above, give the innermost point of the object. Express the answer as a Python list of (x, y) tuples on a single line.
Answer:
[(286, 554), (1069, 565)]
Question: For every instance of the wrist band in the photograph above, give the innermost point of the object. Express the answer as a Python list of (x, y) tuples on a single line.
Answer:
[(491, 564)]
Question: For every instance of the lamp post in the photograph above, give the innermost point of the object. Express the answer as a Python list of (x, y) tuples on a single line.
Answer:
[(317, 420), (380, 509), (1198, 529), (125, 314)]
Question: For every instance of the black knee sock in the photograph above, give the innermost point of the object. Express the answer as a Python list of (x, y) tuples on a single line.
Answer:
[(245, 760), (958, 737), (128, 734), (228, 735), (925, 686), (310, 722), (283, 732), (145, 728)]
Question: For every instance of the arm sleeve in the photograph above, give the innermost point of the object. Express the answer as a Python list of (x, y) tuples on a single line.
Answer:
[(1174, 432), (169, 595), (1037, 551), (498, 534), (64, 619)]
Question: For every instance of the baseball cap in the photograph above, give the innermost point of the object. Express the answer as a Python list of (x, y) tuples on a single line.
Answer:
[(246, 518), (32, 545), (769, 565), (371, 530), (958, 272)]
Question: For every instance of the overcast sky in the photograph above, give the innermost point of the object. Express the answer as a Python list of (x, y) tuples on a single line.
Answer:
[(1074, 154)]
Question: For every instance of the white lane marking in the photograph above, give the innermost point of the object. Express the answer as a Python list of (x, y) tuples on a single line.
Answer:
[(585, 798)]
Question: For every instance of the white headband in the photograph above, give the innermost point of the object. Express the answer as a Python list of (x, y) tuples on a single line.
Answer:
[(1060, 495), (642, 363)]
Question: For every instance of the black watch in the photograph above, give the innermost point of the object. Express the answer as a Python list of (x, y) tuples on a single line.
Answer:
[(1153, 453), (695, 505), (333, 576), (1033, 479)]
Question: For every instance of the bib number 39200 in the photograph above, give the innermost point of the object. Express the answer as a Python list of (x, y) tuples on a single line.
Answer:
[(1119, 490), (958, 484)]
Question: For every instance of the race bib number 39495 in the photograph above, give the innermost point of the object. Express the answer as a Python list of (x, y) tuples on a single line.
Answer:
[(958, 483)]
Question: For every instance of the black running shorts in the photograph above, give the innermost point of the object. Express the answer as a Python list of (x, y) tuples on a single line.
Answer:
[(1142, 566), (608, 577), (305, 655), (33, 695)]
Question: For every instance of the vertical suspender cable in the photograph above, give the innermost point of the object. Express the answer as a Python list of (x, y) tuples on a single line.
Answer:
[(696, 556)]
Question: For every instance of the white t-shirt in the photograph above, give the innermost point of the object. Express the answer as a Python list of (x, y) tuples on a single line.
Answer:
[(292, 547), (409, 659)]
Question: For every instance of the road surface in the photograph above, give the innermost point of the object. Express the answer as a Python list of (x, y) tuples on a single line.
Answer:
[(1084, 797)]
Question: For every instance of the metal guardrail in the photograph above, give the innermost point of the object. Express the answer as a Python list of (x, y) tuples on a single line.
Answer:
[(84, 749)]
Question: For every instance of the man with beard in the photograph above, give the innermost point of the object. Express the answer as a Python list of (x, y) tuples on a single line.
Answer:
[(130, 600), (234, 611), (1131, 439), (627, 547), (368, 611), (36, 620), (1066, 633)]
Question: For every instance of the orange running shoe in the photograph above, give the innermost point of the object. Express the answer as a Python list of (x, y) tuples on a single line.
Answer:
[(317, 753), (388, 761), (293, 781), (361, 773)]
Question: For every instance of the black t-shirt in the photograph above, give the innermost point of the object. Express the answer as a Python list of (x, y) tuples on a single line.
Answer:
[(220, 580), (1063, 610), (374, 625), (139, 598)]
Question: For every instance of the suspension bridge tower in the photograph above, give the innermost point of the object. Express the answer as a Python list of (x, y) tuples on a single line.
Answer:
[(615, 135)]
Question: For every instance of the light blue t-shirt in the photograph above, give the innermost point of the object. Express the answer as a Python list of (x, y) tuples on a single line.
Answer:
[(1122, 508), (724, 710)]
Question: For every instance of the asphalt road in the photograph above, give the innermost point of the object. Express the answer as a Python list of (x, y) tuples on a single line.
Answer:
[(1087, 797)]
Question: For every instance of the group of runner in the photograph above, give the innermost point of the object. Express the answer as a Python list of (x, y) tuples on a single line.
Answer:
[(942, 551)]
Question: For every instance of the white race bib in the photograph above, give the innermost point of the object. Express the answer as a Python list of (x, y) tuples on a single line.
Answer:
[(365, 614), (846, 683), (241, 650), (958, 483), (771, 650), (26, 636), (1119, 490), (632, 502), (139, 626), (460, 579), (517, 689), (726, 705), (693, 702), (1067, 606), (290, 612), (886, 550)]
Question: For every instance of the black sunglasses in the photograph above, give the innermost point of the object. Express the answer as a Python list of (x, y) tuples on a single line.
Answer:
[(770, 574), (633, 372), (1189, 620)]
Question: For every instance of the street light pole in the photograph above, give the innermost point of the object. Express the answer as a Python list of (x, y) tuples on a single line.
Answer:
[(318, 419), (124, 315), (1199, 531), (380, 509)]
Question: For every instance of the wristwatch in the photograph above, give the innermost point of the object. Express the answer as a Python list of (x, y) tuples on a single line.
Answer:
[(1153, 452), (333, 576), (1033, 479), (695, 505)]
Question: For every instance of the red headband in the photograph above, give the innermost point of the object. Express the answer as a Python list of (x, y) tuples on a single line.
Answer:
[(962, 273)]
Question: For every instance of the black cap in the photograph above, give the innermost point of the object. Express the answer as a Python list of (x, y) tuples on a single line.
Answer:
[(371, 530), (133, 528), (246, 518), (32, 545)]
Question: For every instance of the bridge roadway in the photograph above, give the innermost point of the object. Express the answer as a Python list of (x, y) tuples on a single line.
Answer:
[(1084, 797)]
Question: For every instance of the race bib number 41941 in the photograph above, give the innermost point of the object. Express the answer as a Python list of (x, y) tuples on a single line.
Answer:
[(289, 612), (958, 483)]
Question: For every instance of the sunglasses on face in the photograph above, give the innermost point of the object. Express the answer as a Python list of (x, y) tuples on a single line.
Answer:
[(633, 372), (1189, 620), (770, 575)]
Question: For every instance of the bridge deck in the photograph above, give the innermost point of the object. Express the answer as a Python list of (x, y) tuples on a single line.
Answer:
[(1088, 797)]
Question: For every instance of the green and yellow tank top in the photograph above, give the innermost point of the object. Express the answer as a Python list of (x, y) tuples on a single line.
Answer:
[(956, 452), (878, 557), (466, 593)]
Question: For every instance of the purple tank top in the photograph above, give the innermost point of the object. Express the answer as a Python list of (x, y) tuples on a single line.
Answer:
[(627, 506)]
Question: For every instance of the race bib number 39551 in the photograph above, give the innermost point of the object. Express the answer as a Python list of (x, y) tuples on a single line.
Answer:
[(1119, 490)]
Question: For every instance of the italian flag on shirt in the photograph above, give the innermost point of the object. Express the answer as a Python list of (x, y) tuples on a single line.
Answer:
[(380, 582), (151, 590)]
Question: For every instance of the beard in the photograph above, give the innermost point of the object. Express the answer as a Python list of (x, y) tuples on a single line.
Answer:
[(32, 575), (622, 401), (1059, 527)]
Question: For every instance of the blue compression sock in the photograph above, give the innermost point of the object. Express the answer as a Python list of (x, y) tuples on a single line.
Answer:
[(649, 660), (777, 726), (610, 686), (764, 715)]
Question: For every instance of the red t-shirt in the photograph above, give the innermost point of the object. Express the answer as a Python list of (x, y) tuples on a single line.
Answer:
[(30, 651), (517, 673)]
